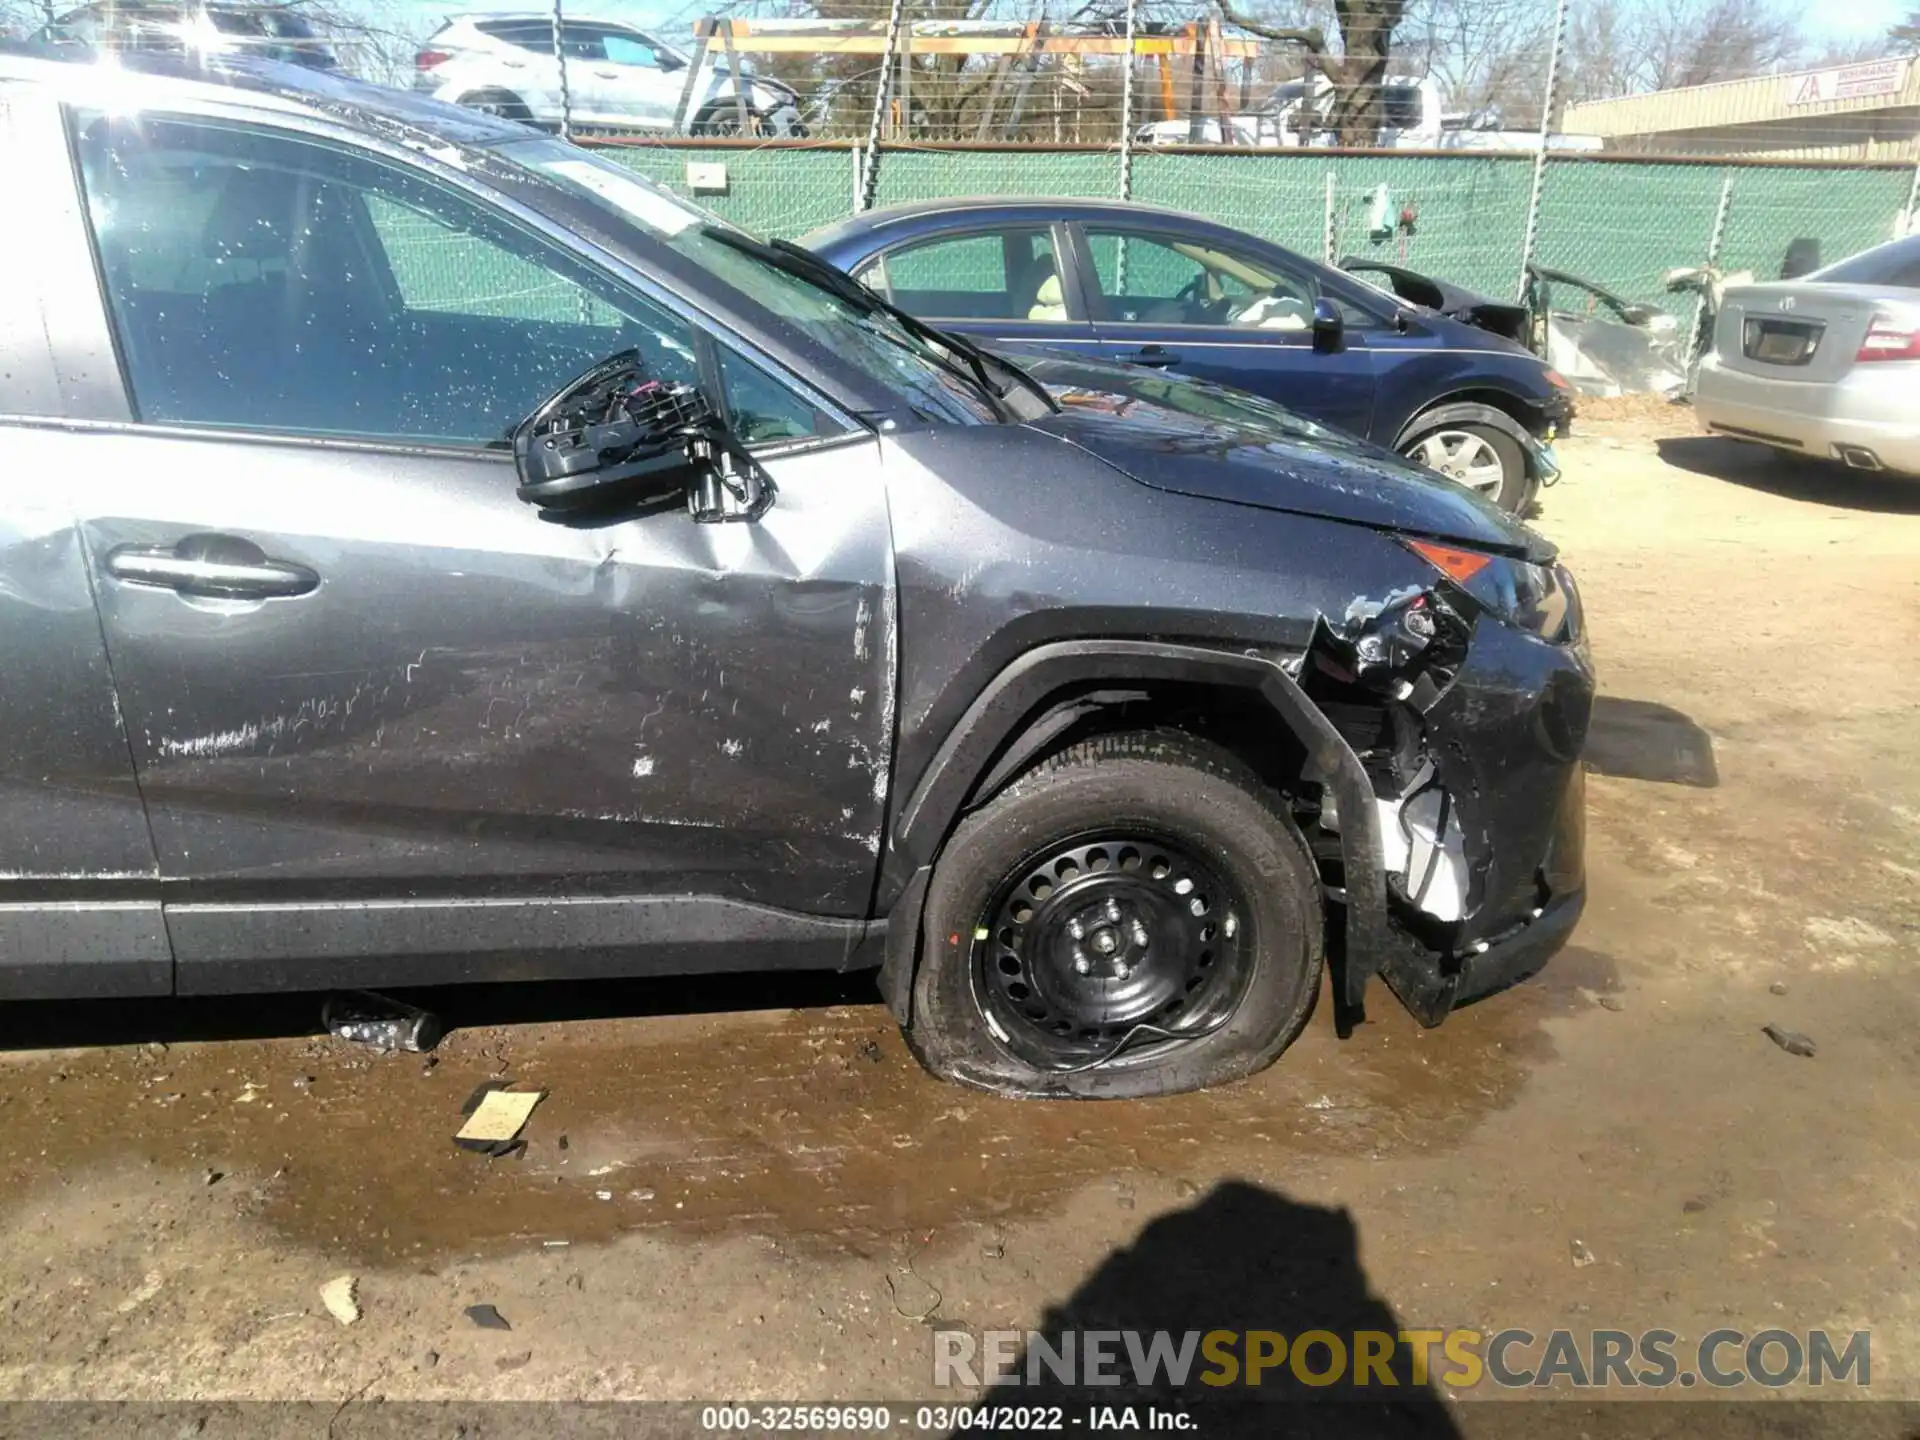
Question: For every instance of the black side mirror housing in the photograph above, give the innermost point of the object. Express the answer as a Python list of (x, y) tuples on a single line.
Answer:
[(612, 436), (1329, 329), (668, 63), (608, 433)]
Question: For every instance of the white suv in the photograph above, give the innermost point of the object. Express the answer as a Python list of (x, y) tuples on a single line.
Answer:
[(503, 62)]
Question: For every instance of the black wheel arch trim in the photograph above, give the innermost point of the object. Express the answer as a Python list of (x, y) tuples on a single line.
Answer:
[(976, 757)]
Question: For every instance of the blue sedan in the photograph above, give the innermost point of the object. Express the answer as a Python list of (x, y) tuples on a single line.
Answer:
[(1156, 287)]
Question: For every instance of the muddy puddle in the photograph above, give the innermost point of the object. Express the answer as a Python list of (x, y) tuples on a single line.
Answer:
[(813, 1124)]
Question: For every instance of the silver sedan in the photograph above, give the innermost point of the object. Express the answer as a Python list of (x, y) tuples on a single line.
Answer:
[(1827, 365)]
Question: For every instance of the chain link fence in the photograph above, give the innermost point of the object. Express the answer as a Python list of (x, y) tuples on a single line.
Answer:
[(1621, 223)]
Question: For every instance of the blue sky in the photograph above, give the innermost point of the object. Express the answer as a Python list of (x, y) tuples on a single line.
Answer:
[(1864, 19)]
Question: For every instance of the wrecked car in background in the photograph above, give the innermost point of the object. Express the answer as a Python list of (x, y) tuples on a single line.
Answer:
[(1612, 345), (457, 559), (1603, 343)]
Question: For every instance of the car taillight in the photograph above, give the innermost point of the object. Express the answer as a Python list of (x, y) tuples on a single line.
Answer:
[(1890, 339), (427, 59)]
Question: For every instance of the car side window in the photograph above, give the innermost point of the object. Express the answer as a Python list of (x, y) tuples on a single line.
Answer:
[(629, 50), (526, 35), (583, 42), (991, 275), (1164, 280), (258, 280), (763, 411)]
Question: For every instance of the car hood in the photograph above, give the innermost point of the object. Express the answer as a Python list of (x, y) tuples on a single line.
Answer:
[(1206, 440)]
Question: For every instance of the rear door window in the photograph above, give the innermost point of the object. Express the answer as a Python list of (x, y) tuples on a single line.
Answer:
[(1009, 274), (625, 48)]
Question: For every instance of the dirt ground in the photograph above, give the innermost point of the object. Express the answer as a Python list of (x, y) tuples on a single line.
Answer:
[(720, 1202)]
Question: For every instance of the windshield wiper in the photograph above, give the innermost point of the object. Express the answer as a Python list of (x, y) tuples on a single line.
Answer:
[(981, 361), (803, 263)]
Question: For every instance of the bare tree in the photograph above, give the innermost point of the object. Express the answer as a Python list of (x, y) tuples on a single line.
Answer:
[(376, 39), (1357, 74), (1487, 52), (1707, 40), (1615, 47), (1604, 51), (21, 18)]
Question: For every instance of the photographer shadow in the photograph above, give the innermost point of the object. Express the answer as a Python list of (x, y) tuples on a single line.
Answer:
[(1242, 1259)]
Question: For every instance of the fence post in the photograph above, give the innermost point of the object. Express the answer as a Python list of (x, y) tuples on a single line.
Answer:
[(1126, 114), (1332, 241), (1908, 216), (1696, 342), (741, 116), (1540, 155), (1197, 90), (870, 169), (560, 60)]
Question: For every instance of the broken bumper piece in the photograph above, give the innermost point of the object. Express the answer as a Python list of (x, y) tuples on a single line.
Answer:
[(1433, 984), (1462, 866)]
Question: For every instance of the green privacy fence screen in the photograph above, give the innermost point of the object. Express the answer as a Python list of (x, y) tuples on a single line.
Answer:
[(1620, 223)]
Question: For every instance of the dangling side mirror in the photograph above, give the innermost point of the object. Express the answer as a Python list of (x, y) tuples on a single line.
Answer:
[(613, 436)]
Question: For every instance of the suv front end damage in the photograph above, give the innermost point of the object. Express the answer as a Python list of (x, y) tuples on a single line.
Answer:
[(1466, 704)]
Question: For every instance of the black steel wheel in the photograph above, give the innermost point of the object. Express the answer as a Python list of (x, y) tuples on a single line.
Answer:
[(1103, 936), (1136, 915)]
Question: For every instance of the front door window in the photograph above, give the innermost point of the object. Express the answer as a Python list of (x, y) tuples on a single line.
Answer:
[(1156, 280), (262, 281)]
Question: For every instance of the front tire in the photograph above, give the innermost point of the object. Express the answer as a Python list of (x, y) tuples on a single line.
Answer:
[(722, 118), (1136, 916), (1475, 454)]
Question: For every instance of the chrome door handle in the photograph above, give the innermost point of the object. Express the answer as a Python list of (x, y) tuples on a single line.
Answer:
[(220, 566)]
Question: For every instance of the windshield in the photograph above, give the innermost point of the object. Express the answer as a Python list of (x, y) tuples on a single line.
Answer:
[(866, 337)]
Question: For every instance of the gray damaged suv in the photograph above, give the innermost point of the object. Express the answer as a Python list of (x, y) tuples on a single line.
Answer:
[(430, 554)]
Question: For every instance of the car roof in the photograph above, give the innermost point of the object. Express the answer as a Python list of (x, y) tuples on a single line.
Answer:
[(545, 17), (995, 207), (270, 86), (136, 8)]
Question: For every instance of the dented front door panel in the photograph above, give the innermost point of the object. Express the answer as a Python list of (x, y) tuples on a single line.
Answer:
[(79, 891), (473, 700)]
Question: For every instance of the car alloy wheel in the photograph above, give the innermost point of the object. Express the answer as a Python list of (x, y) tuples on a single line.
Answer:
[(1093, 940), (1463, 457)]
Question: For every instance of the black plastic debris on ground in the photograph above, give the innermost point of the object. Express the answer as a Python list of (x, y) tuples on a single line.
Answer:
[(1791, 1041), (487, 1318)]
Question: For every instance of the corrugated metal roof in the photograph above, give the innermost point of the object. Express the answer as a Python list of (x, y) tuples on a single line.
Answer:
[(1800, 95)]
